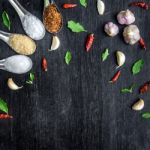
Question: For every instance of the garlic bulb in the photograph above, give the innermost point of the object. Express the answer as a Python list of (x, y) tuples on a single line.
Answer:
[(111, 29), (139, 105), (131, 34), (12, 85), (120, 58), (126, 17), (100, 7), (55, 43)]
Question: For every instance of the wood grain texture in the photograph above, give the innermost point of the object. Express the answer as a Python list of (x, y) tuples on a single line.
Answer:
[(73, 107)]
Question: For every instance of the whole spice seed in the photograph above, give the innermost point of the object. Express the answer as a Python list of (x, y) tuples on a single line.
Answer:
[(52, 19), (44, 64), (67, 6), (142, 43), (115, 77), (5, 116), (144, 88), (89, 42), (143, 5)]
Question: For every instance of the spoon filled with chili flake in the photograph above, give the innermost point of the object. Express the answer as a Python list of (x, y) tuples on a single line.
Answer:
[(52, 17), (53, 21)]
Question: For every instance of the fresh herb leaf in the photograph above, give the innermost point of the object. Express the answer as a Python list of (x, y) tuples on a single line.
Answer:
[(146, 115), (105, 54), (3, 106), (83, 3), (75, 26), (68, 57), (6, 20), (137, 66), (31, 79), (128, 90)]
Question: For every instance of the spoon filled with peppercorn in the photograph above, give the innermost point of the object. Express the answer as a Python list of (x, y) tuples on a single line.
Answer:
[(53, 21)]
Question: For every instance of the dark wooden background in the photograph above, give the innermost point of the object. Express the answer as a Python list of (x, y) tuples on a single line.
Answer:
[(74, 107)]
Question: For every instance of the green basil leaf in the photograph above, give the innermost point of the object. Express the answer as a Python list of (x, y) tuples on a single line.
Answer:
[(128, 90), (32, 77), (68, 57), (105, 54), (137, 66), (6, 20), (3, 106), (75, 26), (146, 115), (83, 3)]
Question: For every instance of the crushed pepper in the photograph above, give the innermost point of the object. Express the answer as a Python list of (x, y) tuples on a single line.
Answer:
[(52, 18)]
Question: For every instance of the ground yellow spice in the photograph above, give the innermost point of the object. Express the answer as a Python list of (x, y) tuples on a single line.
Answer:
[(22, 44), (52, 18)]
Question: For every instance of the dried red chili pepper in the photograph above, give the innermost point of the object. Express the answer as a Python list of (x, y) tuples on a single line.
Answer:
[(143, 5), (67, 6), (144, 88), (89, 41), (115, 77), (5, 116), (142, 43), (44, 64)]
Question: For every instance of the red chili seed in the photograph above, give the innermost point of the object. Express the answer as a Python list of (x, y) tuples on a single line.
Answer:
[(115, 77), (44, 64), (142, 43), (144, 88), (67, 6), (89, 42), (5, 116)]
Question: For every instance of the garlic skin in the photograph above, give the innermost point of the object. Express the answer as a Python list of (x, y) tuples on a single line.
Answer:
[(125, 17), (55, 43), (111, 29), (12, 85), (121, 58), (139, 105), (131, 34), (100, 7)]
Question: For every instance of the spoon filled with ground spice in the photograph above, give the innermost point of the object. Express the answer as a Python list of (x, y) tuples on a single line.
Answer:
[(21, 44), (52, 17)]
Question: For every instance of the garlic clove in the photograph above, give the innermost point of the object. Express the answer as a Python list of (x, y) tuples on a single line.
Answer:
[(100, 7), (12, 85), (55, 43), (121, 58), (139, 105)]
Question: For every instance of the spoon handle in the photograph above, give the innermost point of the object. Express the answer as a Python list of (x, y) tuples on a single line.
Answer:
[(4, 36), (19, 9)]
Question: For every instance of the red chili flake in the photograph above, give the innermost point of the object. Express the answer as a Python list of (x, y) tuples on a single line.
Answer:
[(89, 41), (142, 43), (5, 116), (44, 64), (115, 77), (67, 6), (144, 88), (143, 5)]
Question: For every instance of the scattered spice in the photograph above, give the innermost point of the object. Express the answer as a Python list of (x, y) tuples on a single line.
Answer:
[(146, 115), (89, 42), (100, 7), (139, 105), (115, 77), (52, 19), (143, 5), (55, 43), (83, 3), (142, 43), (12, 85), (75, 26), (128, 90), (6, 20), (31, 78), (22, 44), (3, 106), (121, 58), (66, 6), (5, 116), (68, 57), (105, 54), (144, 88), (44, 64)]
